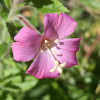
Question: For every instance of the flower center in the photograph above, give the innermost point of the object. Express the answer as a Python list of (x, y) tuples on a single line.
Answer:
[(46, 45)]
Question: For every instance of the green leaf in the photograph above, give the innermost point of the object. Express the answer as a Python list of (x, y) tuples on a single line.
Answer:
[(7, 2), (3, 48), (29, 83), (21, 4), (40, 3), (56, 7), (56, 93), (11, 29), (10, 89), (38, 91), (9, 97), (14, 69), (49, 6)]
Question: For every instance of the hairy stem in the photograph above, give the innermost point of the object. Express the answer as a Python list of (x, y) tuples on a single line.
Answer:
[(25, 22)]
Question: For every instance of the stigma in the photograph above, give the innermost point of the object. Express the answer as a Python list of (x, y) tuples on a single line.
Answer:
[(58, 66)]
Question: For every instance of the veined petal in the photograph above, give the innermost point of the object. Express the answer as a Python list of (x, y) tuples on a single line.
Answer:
[(24, 52), (58, 27), (28, 36), (50, 23), (27, 45), (70, 44), (66, 26), (65, 56), (41, 67)]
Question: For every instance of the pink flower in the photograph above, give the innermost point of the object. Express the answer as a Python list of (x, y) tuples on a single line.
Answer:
[(51, 50)]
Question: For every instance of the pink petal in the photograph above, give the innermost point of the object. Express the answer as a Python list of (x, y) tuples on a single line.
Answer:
[(24, 52), (70, 44), (69, 57), (27, 46), (58, 27), (66, 25), (50, 23), (28, 36), (41, 67)]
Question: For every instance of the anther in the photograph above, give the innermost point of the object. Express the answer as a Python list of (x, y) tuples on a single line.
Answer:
[(46, 41)]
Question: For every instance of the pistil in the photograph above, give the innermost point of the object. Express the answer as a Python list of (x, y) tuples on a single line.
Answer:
[(58, 67)]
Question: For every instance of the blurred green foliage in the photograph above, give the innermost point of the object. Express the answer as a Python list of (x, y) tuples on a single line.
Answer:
[(80, 82)]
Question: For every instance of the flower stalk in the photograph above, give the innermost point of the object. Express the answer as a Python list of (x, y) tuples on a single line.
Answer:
[(25, 22)]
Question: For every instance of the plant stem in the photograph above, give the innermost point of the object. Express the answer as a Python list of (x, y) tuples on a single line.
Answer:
[(12, 12)]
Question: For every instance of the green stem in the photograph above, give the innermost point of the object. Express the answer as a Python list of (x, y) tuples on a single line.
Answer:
[(12, 12)]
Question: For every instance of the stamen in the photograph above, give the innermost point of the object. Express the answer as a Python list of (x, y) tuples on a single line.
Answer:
[(46, 44), (46, 41), (56, 40), (41, 51)]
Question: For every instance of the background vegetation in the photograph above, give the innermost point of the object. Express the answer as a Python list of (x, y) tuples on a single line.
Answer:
[(80, 82)]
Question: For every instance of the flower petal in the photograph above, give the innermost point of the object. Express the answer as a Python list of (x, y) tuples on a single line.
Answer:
[(28, 36), (65, 56), (66, 26), (24, 52), (50, 23), (58, 27), (27, 46), (41, 67), (70, 44)]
